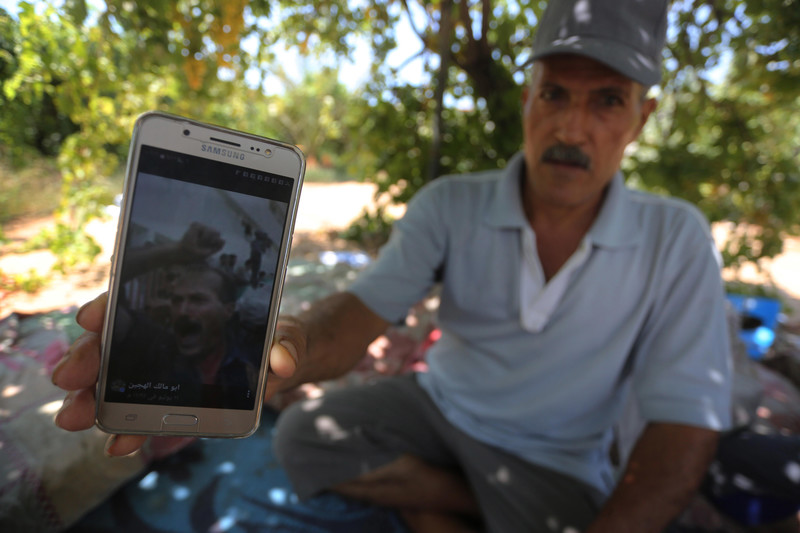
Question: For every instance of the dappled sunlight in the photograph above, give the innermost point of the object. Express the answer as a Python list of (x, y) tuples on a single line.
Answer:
[(501, 477), (279, 496), (740, 415), (716, 473), (225, 522), (11, 390), (432, 303), (553, 524), (583, 13), (181, 493), (311, 405), (328, 427), (377, 348), (742, 482), (149, 482), (716, 376), (51, 408), (792, 471), (312, 391), (227, 467)]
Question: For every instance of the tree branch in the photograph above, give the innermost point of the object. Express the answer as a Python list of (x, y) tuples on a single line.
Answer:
[(416, 30), (466, 20), (486, 15)]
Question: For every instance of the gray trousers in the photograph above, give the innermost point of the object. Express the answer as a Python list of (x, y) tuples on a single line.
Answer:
[(325, 441)]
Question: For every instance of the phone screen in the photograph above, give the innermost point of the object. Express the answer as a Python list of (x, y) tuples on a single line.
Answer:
[(196, 282)]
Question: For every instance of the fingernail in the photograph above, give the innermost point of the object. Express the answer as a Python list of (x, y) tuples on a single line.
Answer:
[(81, 310), (59, 366), (109, 443), (289, 348), (66, 403)]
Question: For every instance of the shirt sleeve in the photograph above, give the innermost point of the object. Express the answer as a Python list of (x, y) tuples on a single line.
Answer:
[(406, 266), (684, 375)]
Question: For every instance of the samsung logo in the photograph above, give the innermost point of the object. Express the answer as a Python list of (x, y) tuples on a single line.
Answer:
[(222, 152)]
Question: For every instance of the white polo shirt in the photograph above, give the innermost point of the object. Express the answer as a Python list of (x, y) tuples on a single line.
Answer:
[(542, 370)]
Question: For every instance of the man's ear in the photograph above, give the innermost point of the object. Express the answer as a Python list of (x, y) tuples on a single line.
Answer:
[(648, 106), (525, 96)]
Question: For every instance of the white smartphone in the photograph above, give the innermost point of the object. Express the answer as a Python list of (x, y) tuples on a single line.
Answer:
[(202, 245)]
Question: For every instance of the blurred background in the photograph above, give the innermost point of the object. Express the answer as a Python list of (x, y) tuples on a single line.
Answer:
[(382, 96)]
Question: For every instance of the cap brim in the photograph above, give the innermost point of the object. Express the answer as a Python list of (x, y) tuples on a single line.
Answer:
[(621, 58)]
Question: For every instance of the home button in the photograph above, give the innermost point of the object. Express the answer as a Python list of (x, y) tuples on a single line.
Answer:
[(179, 423)]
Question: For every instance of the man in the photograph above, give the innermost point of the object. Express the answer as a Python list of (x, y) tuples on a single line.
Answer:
[(563, 295), (197, 346), (198, 341)]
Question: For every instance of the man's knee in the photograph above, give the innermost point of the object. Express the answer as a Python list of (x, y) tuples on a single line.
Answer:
[(319, 448), (293, 431), (323, 442)]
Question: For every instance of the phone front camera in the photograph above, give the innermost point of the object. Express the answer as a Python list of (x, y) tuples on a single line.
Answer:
[(186, 132)]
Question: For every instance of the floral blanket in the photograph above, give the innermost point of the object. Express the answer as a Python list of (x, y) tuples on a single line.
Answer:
[(51, 480)]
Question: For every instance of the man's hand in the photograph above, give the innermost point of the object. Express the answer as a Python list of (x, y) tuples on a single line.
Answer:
[(77, 374), (288, 347), (78, 371), (664, 470)]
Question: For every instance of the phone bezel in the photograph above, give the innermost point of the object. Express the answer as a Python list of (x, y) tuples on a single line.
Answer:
[(167, 131)]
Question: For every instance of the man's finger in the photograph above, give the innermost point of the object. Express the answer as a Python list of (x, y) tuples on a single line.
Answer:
[(81, 364), (121, 445), (90, 315), (77, 411), (283, 358)]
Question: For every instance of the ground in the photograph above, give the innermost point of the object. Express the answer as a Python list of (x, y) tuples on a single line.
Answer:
[(324, 210)]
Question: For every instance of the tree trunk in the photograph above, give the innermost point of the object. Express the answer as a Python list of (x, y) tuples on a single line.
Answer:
[(444, 42)]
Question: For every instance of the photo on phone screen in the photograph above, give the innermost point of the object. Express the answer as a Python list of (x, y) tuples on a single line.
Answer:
[(202, 247)]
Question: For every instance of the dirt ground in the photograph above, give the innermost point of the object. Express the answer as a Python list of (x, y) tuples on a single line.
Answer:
[(324, 209)]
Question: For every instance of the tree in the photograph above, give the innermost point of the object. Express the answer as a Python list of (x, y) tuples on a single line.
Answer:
[(728, 144), (725, 136), (731, 146), (95, 72)]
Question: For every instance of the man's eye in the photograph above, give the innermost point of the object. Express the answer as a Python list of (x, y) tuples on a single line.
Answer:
[(549, 94), (611, 100)]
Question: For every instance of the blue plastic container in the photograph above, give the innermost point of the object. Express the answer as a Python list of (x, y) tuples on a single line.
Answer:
[(765, 311)]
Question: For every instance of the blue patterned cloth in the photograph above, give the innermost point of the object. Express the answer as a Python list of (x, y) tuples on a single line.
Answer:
[(229, 485)]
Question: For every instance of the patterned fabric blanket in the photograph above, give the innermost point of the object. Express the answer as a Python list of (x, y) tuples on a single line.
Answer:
[(228, 485), (51, 480)]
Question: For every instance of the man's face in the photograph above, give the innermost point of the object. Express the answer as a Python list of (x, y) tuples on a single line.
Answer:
[(198, 314), (579, 115)]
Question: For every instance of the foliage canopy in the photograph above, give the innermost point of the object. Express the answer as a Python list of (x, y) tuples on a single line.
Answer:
[(725, 136)]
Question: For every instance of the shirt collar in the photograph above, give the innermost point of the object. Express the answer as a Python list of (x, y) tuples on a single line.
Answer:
[(505, 207), (615, 226), (612, 228)]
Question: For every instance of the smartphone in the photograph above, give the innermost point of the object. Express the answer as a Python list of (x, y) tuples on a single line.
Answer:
[(203, 240)]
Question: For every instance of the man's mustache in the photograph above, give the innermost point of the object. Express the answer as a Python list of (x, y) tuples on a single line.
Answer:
[(186, 326), (566, 154)]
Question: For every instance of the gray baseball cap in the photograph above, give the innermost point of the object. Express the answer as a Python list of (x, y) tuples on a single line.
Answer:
[(626, 35)]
